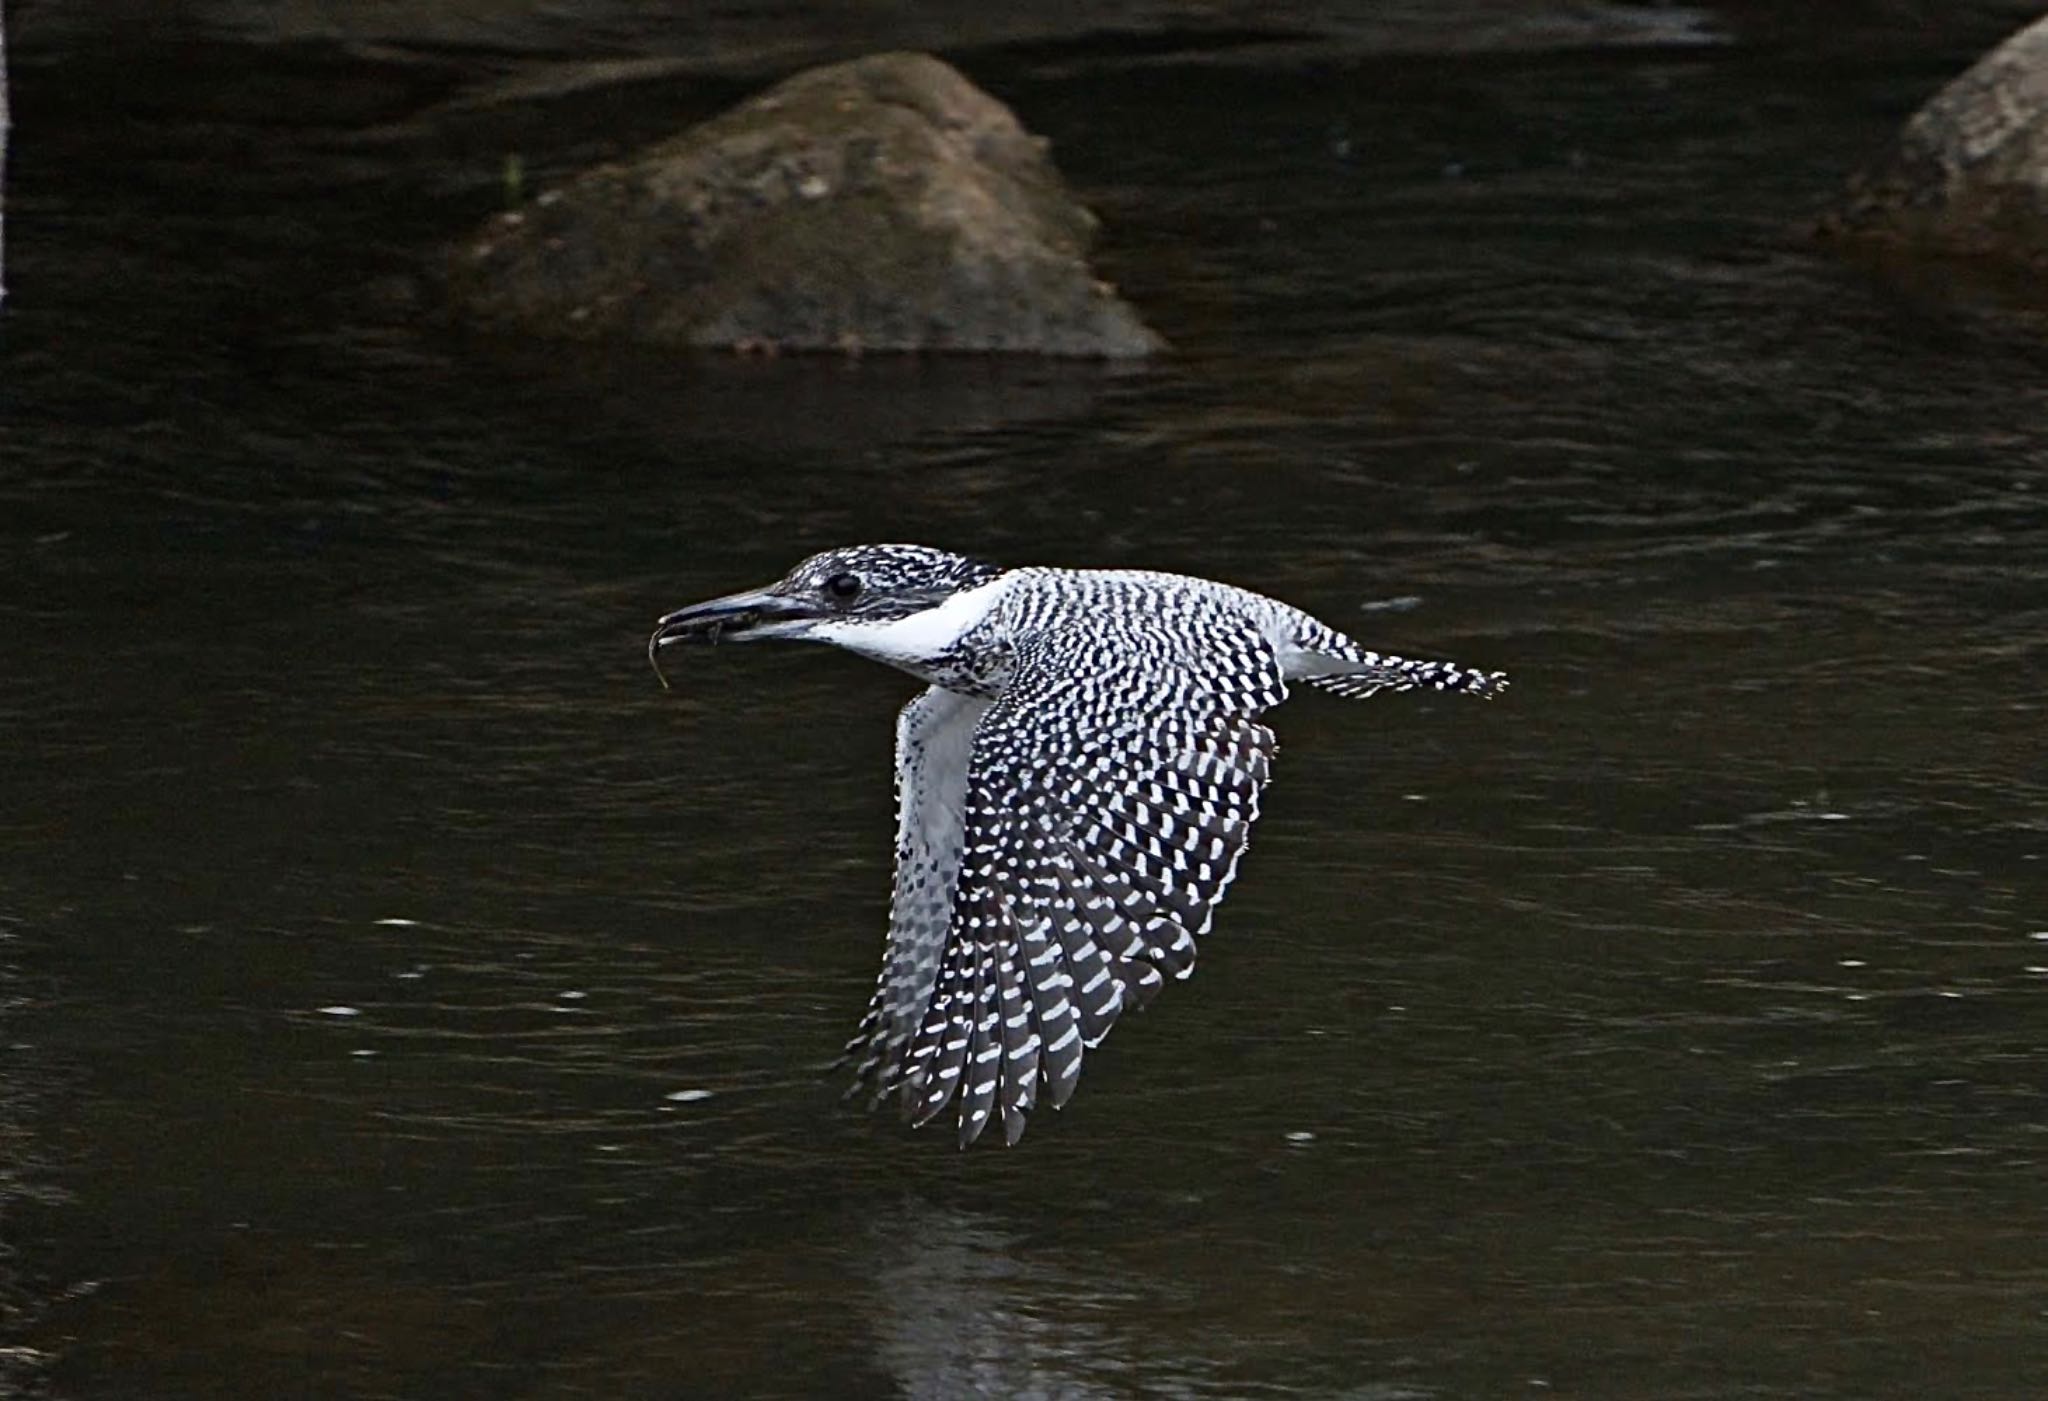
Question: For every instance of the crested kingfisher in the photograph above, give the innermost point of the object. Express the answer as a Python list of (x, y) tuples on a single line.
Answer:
[(1074, 788)]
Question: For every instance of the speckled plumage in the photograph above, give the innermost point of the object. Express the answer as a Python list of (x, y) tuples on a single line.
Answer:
[(1074, 792)]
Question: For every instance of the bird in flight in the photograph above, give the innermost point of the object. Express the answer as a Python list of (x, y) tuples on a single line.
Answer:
[(1074, 789)]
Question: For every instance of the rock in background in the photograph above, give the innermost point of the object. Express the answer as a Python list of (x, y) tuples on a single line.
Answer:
[(1970, 174), (885, 204)]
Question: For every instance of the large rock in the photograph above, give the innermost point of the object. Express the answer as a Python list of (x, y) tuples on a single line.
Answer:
[(1970, 174), (882, 204)]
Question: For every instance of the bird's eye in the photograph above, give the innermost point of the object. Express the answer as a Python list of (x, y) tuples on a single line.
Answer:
[(843, 585)]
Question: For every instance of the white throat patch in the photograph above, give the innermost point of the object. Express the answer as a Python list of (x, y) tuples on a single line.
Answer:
[(910, 642)]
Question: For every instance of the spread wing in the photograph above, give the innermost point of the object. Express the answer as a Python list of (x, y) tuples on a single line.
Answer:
[(1109, 793), (934, 733)]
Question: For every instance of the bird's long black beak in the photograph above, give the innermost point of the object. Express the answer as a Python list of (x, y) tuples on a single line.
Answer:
[(737, 615)]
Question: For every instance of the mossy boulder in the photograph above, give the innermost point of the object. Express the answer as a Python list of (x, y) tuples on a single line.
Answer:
[(1969, 176), (885, 204)]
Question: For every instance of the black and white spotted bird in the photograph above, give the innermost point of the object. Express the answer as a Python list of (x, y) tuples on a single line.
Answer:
[(1074, 790)]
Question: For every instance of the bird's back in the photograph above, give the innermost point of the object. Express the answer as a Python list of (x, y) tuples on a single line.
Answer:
[(1189, 621)]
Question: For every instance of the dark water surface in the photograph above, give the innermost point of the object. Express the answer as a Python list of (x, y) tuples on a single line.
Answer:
[(406, 998)]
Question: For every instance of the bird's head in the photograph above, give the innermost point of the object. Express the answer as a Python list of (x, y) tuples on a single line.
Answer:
[(829, 597)]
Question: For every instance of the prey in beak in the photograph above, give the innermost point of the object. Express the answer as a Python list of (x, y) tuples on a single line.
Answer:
[(738, 616)]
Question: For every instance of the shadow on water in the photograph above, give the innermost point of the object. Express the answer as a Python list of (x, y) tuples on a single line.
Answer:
[(441, 1007)]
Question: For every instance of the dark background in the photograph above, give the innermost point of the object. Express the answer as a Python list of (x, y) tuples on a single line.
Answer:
[(404, 997)]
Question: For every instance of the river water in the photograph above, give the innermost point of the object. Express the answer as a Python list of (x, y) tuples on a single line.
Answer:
[(404, 997)]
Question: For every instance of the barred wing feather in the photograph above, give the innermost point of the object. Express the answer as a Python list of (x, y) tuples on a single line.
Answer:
[(1109, 794)]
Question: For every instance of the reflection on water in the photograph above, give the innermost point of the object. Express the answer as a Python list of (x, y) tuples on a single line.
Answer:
[(448, 1005), (960, 1309), (25, 1172)]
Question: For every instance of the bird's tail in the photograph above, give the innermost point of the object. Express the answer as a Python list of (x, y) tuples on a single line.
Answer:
[(1361, 673)]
